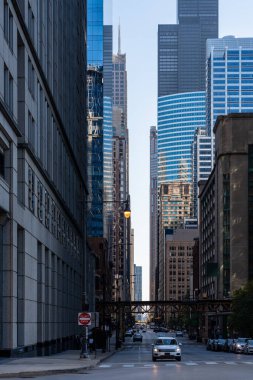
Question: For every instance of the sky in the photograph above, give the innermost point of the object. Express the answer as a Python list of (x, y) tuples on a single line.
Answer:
[(139, 21)]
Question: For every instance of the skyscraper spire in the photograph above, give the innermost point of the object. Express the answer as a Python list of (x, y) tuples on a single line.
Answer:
[(119, 39)]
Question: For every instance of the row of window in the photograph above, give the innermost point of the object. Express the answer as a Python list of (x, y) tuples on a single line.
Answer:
[(42, 205)]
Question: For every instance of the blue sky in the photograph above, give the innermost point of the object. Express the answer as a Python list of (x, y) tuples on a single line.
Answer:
[(139, 20)]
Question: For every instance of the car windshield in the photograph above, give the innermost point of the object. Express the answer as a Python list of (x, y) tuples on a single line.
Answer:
[(166, 342)]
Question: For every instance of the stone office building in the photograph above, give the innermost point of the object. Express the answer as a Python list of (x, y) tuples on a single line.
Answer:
[(42, 180), (226, 210)]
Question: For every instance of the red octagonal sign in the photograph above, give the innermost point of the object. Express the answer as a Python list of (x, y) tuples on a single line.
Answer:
[(84, 319)]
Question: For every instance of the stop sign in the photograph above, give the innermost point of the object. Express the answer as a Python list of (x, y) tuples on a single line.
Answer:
[(84, 319)]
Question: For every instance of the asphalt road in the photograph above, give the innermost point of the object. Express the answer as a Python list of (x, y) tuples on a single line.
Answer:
[(134, 362)]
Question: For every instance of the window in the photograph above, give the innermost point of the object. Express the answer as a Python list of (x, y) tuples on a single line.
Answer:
[(31, 194), (31, 78), (8, 89), (31, 130), (2, 162), (8, 25), (47, 209), (40, 201), (30, 21)]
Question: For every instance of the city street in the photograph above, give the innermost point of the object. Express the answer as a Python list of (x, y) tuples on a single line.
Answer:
[(134, 362)]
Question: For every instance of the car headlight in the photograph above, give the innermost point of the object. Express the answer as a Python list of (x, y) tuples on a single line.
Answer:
[(178, 349), (238, 345), (156, 350)]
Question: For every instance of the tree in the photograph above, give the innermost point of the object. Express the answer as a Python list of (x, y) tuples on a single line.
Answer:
[(241, 319)]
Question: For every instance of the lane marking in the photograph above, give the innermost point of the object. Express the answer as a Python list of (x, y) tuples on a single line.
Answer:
[(230, 363), (128, 365), (210, 362), (190, 363), (105, 366)]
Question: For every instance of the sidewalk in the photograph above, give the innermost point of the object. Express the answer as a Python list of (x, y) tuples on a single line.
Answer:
[(65, 362)]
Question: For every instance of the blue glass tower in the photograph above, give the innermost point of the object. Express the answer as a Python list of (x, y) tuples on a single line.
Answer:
[(178, 117), (99, 115), (95, 116), (229, 78)]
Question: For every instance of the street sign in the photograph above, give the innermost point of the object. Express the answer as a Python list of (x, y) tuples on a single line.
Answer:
[(84, 319)]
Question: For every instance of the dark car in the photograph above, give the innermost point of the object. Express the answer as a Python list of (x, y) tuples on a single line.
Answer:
[(160, 329), (209, 344), (219, 344), (137, 337), (228, 344)]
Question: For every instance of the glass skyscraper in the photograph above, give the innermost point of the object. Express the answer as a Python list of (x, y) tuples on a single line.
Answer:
[(179, 116), (229, 77), (99, 116), (181, 47)]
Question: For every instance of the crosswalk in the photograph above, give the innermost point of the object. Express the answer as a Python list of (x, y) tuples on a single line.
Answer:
[(175, 364)]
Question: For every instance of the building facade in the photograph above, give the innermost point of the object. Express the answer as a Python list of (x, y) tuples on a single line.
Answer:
[(121, 247), (226, 261), (153, 214), (174, 207), (229, 62), (179, 115), (179, 264), (181, 47), (201, 163), (42, 179)]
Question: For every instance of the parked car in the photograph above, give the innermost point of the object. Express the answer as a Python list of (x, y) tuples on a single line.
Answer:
[(248, 348), (137, 337), (239, 344), (129, 333), (219, 344), (209, 344), (179, 333), (166, 348), (228, 344)]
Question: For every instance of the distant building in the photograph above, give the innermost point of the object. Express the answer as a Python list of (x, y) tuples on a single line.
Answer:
[(179, 116), (229, 78), (121, 231), (178, 262), (181, 47), (175, 206), (138, 283), (226, 209), (153, 214), (201, 163)]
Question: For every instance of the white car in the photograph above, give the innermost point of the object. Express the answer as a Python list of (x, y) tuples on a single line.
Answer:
[(166, 348)]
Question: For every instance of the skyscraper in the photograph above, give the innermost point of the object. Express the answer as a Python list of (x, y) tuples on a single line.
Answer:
[(153, 212), (121, 226), (229, 77), (42, 174), (95, 61), (181, 47), (178, 117)]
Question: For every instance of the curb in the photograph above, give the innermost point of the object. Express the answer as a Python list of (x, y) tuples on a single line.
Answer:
[(24, 374)]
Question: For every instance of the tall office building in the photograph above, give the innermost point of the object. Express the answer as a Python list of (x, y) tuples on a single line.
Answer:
[(181, 47), (138, 283), (179, 115), (95, 101), (229, 78), (42, 174), (121, 251), (153, 214), (201, 163)]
